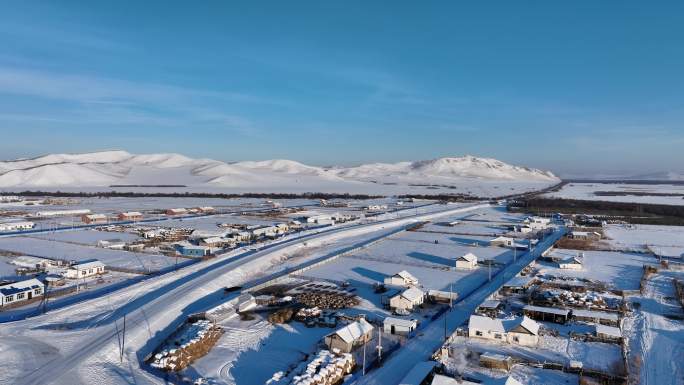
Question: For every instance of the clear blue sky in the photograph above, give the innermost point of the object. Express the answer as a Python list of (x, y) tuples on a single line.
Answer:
[(572, 86)]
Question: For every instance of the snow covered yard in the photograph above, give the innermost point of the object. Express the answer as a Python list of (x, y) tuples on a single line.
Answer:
[(89, 237), (249, 352), (620, 270)]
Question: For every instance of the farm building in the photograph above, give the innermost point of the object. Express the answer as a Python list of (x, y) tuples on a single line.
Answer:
[(489, 308), (399, 326), (14, 226), (61, 213), (496, 361), (407, 300), (205, 209), (522, 331), (85, 269), (585, 235), (608, 332), (537, 223), (216, 242), (178, 211), (92, 219), (114, 244), (402, 278), (130, 216), (17, 292), (467, 261), (597, 317), (319, 219), (518, 285), (574, 263), (442, 296), (552, 314), (350, 337)]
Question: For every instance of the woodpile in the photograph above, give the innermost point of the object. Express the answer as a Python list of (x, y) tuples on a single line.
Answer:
[(327, 300), (190, 343), (281, 316)]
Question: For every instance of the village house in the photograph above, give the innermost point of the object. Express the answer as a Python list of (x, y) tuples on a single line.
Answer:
[(265, 231), (585, 235), (319, 219), (507, 242), (189, 250), (402, 278), (15, 226), (375, 207), (350, 337), (522, 331), (113, 244), (407, 300), (130, 216), (403, 327), (92, 219), (467, 261), (85, 269), (216, 242), (20, 291), (574, 263), (552, 314), (178, 211)]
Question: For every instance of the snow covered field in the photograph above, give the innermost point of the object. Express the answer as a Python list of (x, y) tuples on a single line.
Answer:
[(635, 193), (663, 240), (69, 251), (621, 270)]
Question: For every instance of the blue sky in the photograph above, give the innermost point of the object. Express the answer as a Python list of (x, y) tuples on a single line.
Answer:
[(582, 87)]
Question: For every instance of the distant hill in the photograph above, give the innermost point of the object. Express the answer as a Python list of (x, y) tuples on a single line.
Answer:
[(467, 174)]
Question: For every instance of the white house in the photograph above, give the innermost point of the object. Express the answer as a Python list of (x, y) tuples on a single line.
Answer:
[(522, 331), (14, 226), (467, 261), (85, 269), (350, 337), (537, 223), (402, 278), (399, 326), (407, 300), (573, 263), (507, 242), (12, 293)]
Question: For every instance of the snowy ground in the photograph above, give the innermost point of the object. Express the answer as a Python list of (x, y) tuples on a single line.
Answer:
[(665, 240), (620, 270), (70, 251), (656, 342), (586, 191)]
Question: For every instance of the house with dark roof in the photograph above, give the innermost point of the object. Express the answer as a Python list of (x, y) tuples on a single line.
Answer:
[(21, 291)]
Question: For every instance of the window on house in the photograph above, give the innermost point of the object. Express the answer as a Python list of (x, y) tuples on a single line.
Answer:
[(497, 336), (9, 298), (478, 333), (516, 339), (20, 295), (37, 291), (83, 272)]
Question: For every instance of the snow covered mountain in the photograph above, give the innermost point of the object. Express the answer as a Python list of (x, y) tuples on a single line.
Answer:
[(103, 169)]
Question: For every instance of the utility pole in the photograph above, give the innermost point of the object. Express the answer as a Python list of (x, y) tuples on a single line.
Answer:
[(379, 345), (364, 359), (123, 338), (489, 263)]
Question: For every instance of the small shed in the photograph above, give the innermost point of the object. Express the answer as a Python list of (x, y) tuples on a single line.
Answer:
[(489, 307), (399, 326), (350, 337), (597, 317), (407, 300), (467, 261), (574, 263), (246, 302), (496, 361), (402, 278), (552, 314)]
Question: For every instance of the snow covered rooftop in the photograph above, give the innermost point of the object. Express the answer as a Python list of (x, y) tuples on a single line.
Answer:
[(87, 265), (530, 325), (400, 322), (548, 310), (416, 375), (608, 330), (407, 276), (413, 294), (596, 314), (486, 323), (470, 257), (490, 304), (18, 287), (354, 330)]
